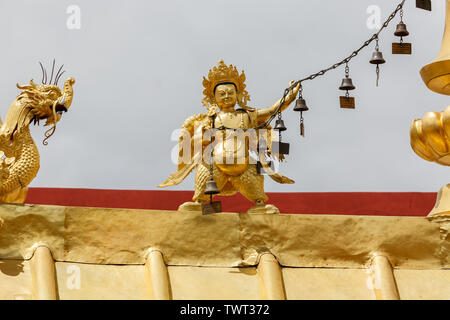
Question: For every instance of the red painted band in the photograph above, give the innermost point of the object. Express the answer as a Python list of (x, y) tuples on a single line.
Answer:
[(349, 203)]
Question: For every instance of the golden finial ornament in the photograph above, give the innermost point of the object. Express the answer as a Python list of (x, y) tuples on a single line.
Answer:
[(430, 136)]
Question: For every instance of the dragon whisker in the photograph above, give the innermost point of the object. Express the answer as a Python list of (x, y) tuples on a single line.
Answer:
[(53, 69), (57, 79), (43, 72), (57, 74)]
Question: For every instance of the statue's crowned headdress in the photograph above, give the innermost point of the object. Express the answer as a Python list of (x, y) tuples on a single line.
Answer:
[(223, 74)]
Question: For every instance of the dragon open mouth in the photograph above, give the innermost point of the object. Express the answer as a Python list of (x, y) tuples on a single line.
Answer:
[(60, 108)]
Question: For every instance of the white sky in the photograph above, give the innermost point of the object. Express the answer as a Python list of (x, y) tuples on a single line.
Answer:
[(139, 68)]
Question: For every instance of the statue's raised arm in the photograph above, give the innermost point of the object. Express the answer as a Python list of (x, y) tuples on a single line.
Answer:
[(264, 114)]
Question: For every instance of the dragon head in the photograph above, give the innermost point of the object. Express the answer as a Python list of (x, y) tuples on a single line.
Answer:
[(37, 102), (46, 101)]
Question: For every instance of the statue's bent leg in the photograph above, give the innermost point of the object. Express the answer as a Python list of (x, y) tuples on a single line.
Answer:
[(201, 177), (251, 185)]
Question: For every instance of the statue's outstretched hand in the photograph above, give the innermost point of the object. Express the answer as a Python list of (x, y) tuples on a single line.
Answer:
[(264, 114), (293, 92)]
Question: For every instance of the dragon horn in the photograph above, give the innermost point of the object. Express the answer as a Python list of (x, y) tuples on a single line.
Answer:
[(31, 86)]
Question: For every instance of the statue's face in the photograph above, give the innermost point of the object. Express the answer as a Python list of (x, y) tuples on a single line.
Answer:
[(226, 96)]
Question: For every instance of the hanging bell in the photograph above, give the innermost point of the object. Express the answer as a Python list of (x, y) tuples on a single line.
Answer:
[(377, 58), (347, 84), (213, 206), (402, 47), (300, 105), (346, 101), (401, 30), (279, 125), (211, 187)]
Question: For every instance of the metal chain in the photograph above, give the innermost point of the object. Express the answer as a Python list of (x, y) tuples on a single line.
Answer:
[(347, 72), (355, 53), (401, 21), (334, 66), (279, 131)]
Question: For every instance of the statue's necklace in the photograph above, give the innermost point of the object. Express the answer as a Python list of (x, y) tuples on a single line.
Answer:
[(221, 124)]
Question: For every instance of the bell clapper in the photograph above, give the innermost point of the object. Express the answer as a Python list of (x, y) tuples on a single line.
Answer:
[(302, 126), (300, 105)]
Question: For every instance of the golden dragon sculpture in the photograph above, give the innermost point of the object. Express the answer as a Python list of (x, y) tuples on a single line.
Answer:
[(19, 155)]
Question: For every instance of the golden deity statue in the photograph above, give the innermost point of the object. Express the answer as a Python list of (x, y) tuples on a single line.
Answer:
[(19, 155), (430, 136), (231, 165)]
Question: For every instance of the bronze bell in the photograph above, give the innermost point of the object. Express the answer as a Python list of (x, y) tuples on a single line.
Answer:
[(279, 125), (347, 84), (211, 187), (300, 105), (401, 30), (377, 58)]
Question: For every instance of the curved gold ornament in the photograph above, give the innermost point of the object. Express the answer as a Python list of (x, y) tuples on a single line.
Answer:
[(430, 137), (19, 155)]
